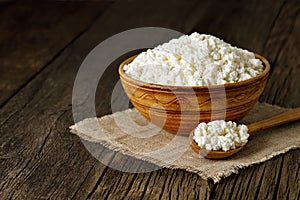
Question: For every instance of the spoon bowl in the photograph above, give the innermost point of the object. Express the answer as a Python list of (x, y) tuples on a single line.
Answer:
[(212, 154), (285, 117)]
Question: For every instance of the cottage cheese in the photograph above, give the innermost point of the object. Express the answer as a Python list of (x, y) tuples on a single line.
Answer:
[(220, 135), (194, 60)]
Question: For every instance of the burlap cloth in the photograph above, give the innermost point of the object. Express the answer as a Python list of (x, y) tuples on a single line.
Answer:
[(128, 132)]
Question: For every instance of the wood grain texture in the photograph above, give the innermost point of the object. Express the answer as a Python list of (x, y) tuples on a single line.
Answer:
[(285, 117), (243, 23), (263, 181), (33, 34), (39, 159), (282, 49)]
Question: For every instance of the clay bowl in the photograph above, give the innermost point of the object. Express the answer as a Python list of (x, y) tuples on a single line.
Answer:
[(178, 109)]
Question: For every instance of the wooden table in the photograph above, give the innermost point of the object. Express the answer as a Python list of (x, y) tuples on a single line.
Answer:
[(41, 48)]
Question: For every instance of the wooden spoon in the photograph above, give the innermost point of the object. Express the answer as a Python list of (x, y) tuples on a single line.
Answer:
[(288, 116)]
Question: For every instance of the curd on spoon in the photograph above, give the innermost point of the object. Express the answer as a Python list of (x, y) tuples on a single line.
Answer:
[(216, 131), (220, 135)]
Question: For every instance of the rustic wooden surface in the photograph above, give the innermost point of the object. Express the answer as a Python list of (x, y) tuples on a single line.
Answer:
[(42, 47), (32, 36)]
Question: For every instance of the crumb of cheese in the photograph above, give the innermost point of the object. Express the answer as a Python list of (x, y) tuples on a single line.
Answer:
[(220, 135)]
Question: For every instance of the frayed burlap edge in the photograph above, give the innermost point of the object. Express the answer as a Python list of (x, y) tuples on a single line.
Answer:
[(216, 177)]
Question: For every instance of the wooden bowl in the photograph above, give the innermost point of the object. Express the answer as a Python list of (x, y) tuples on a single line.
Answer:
[(178, 109)]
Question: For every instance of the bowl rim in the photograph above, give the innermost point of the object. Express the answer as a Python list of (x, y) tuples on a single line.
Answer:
[(136, 82)]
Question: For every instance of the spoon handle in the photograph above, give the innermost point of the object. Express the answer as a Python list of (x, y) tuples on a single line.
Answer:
[(288, 116)]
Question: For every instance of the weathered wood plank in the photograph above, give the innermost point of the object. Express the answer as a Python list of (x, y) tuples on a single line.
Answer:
[(246, 24), (33, 34), (269, 180), (282, 49), (288, 185), (40, 159)]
